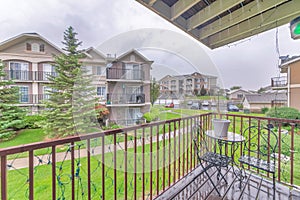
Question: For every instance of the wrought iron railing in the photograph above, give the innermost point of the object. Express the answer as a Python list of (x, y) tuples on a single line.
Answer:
[(279, 81), (125, 98), (32, 98), (138, 162), (24, 75), (125, 74)]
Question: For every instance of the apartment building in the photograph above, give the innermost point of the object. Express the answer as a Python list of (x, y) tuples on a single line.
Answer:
[(28, 60), (189, 84), (128, 88), (289, 80)]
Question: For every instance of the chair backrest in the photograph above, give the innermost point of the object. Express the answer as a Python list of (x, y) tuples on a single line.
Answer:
[(260, 142), (198, 138)]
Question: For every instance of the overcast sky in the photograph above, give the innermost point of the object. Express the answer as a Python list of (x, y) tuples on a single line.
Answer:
[(250, 63)]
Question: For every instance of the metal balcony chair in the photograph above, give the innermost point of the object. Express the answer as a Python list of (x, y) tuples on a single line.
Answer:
[(259, 150), (208, 159)]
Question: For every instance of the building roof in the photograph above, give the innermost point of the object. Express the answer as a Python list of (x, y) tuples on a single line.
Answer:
[(238, 90), (135, 52), (24, 36), (216, 23), (265, 98), (286, 60)]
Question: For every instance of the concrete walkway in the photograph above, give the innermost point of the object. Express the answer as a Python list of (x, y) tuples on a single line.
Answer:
[(20, 163)]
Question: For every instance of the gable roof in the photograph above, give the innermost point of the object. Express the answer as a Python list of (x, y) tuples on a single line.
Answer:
[(135, 52), (86, 52), (265, 98), (24, 36), (238, 90)]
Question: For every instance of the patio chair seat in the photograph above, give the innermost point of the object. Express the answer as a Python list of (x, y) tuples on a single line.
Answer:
[(215, 159), (258, 163)]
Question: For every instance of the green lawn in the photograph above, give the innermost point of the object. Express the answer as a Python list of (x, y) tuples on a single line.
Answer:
[(26, 136)]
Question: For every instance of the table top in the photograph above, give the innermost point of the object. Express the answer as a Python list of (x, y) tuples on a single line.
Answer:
[(231, 137)]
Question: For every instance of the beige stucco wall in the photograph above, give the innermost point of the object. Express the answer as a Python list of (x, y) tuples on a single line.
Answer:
[(294, 84), (295, 98)]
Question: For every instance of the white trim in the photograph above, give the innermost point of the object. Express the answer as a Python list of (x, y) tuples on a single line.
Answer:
[(294, 85), (289, 86)]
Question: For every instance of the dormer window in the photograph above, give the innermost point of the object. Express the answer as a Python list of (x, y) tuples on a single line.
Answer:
[(28, 47), (42, 48), (35, 47)]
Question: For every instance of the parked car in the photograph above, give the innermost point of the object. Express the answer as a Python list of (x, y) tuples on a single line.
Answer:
[(171, 105), (189, 103), (195, 106), (233, 108), (205, 103)]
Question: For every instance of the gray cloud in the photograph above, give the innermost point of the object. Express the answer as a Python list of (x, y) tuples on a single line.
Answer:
[(250, 64)]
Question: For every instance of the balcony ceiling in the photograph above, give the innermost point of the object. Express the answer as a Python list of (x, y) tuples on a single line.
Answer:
[(216, 23)]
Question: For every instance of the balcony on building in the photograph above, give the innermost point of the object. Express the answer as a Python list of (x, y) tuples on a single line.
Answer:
[(128, 75), (279, 83), (125, 99)]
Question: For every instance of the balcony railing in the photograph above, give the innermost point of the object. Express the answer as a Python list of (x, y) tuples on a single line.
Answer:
[(32, 98), (127, 98), (279, 82), (125, 74), (139, 162), (21, 75)]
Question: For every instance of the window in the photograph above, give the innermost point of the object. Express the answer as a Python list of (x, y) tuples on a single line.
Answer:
[(100, 70), (24, 97), (173, 82), (88, 69), (28, 47), (35, 47), (240, 96), (19, 70), (48, 69), (46, 92), (101, 91), (42, 48)]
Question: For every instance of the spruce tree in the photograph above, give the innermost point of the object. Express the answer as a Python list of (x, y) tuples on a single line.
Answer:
[(11, 116), (71, 105)]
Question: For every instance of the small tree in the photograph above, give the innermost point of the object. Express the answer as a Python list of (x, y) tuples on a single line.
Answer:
[(71, 103), (203, 91), (154, 91), (11, 116), (235, 87)]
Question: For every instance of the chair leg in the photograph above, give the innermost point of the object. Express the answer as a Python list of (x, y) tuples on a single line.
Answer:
[(274, 188)]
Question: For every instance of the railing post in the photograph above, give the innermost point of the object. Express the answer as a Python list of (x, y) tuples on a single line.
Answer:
[(3, 178)]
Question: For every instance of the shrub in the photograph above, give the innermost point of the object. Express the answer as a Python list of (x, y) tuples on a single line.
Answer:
[(264, 110), (33, 121), (284, 112), (153, 114), (7, 135)]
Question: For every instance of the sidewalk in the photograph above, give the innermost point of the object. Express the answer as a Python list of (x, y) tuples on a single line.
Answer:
[(20, 163)]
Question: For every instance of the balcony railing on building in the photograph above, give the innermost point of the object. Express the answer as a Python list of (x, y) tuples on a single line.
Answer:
[(125, 74), (23, 75), (125, 98), (32, 98), (279, 82), (140, 162)]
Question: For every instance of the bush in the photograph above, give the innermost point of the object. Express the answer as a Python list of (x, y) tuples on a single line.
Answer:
[(33, 121), (264, 110), (153, 114), (7, 135), (284, 112)]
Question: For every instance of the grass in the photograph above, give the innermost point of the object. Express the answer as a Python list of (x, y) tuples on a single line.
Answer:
[(26, 136), (18, 186)]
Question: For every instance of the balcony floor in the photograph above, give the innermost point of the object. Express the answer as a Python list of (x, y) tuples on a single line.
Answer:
[(196, 186)]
